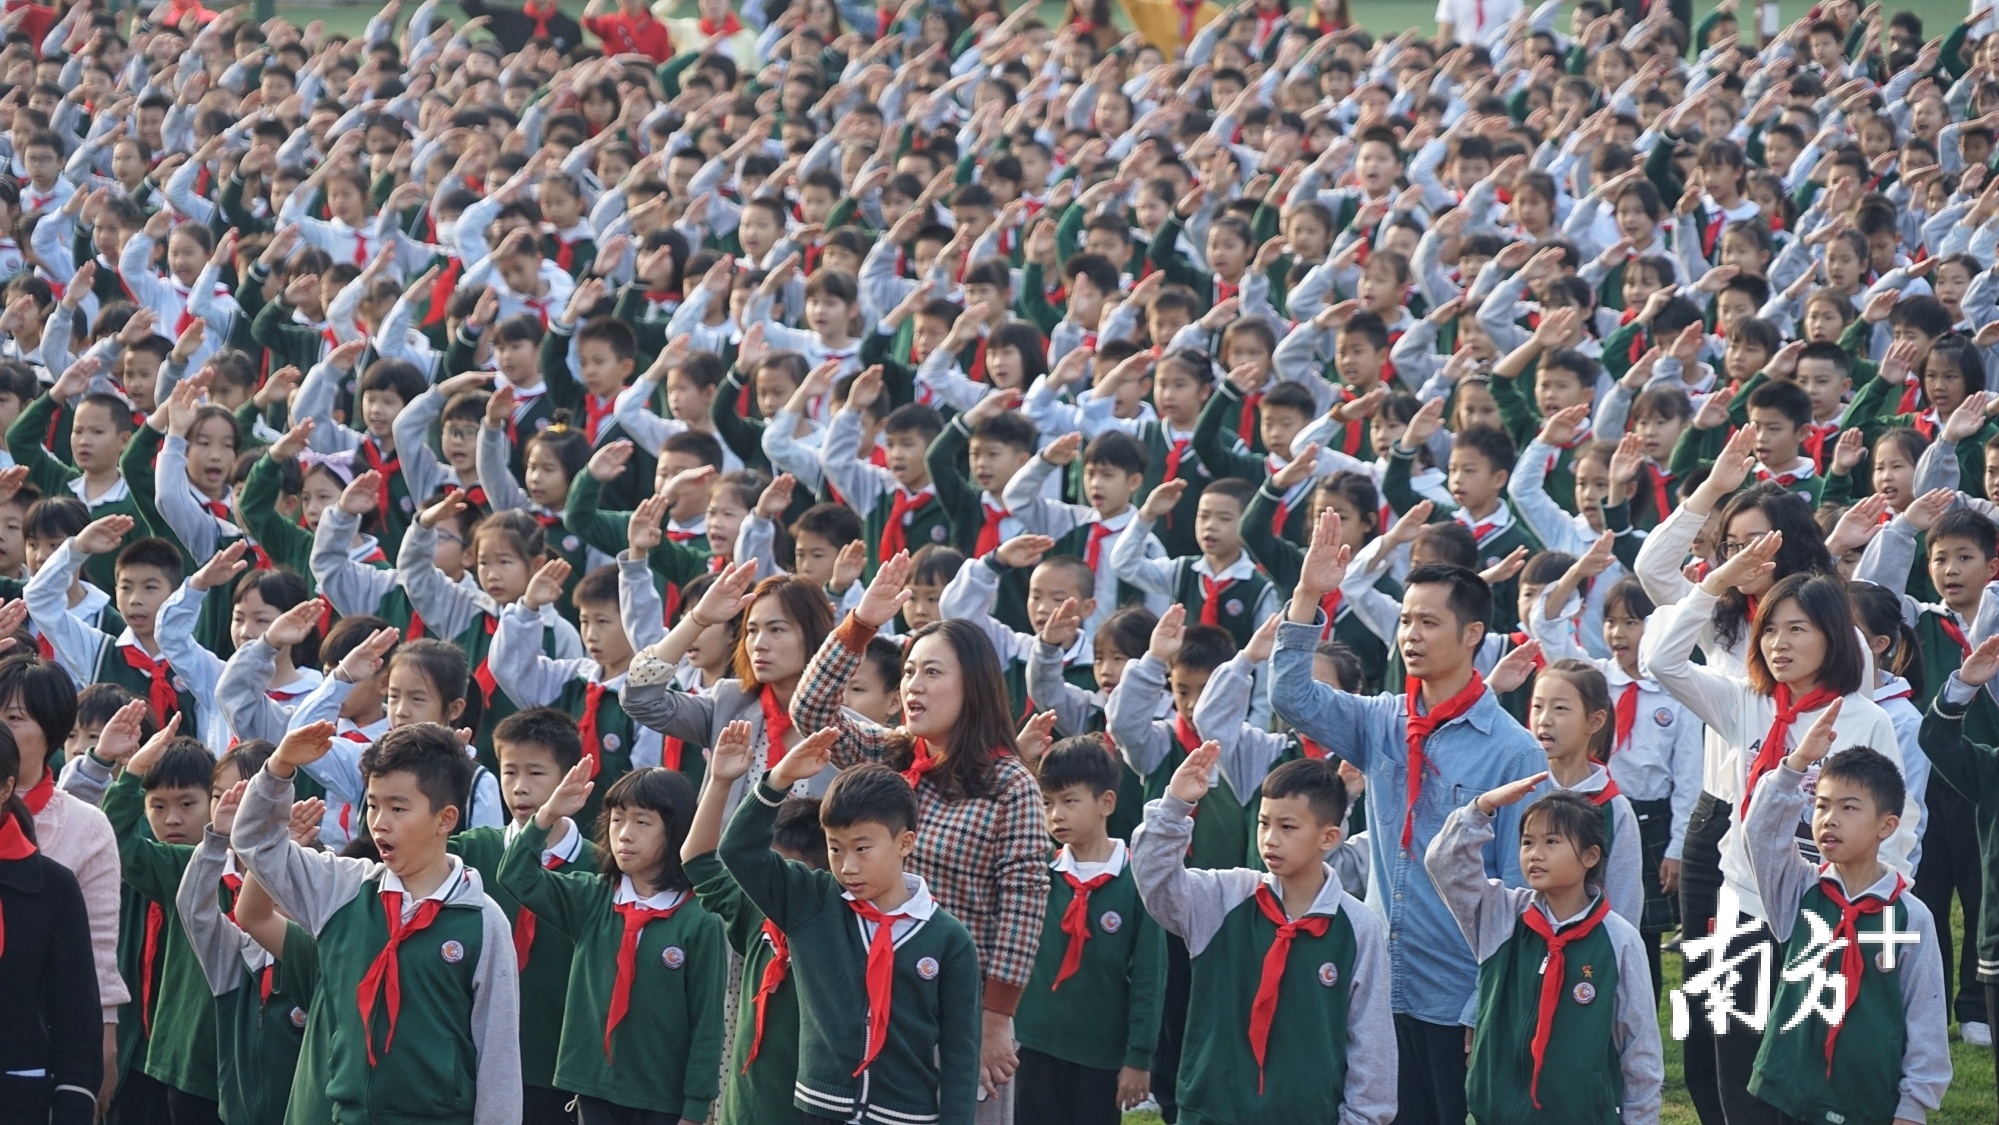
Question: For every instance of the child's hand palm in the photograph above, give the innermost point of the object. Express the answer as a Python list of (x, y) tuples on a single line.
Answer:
[(804, 760), (730, 759), (1190, 782)]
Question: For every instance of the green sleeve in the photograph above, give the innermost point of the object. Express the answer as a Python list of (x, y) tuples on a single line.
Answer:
[(955, 491), (788, 893), (1659, 169), (605, 531), (1962, 763), (1265, 225), (24, 441), (721, 897), (563, 389), (460, 355), (707, 987), (669, 71), (1147, 986), (842, 213), (136, 463), (742, 434), (1836, 488), (1738, 407), (1400, 494), (292, 343), (1874, 404), (149, 867), (1617, 349), (235, 214), (1701, 31), (1623, 545), (1162, 253), (564, 899), (1856, 337), (1278, 556), (1519, 418), (247, 416), (1953, 51), (283, 539), (298, 968), (1069, 231), (1687, 451), (1212, 448), (1032, 304)]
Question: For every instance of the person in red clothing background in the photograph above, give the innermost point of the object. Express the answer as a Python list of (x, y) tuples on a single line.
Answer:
[(630, 30)]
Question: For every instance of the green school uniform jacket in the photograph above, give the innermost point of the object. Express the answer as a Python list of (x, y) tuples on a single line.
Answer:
[(927, 1069), (51, 473), (1176, 531), (1329, 1055), (1223, 828), (755, 1091), (1281, 559), (740, 430), (136, 463), (963, 506), (455, 1054), (665, 1055), (1522, 421), (1106, 1014), (566, 392), (582, 253), (1890, 1057), (288, 342), (673, 564), (544, 965), (1397, 491), (113, 669), (1238, 600), (180, 1050), (1218, 443), (259, 1001)]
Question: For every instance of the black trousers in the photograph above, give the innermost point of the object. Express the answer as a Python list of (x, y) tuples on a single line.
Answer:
[(1992, 1017), (1662, 911), (1172, 1030), (140, 1101), (1431, 1075), (596, 1111), (1700, 884), (1951, 862), (543, 1106), (184, 1108), (1054, 1091)]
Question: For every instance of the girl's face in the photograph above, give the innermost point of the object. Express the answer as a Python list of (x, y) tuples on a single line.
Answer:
[(346, 203), (1559, 720), (725, 518), (874, 697), (1823, 322), (503, 571), (1741, 531), (1634, 221), (1309, 238), (933, 690), (637, 836), (1549, 860), (1228, 254), (1894, 474), (249, 617), (1353, 529), (320, 492), (1592, 487), (546, 480), (1842, 266), (413, 698), (1949, 282), (1475, 407), (1793, 646), (1623, 630), (127, 166), (1006, 368), (713, 648), (1383, 432), (185, 257), (776, 643), (211, 450), (1943, 382), (1533, 211)]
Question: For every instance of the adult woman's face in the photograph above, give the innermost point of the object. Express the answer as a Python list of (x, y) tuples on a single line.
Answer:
[(1793, 646), (933, 689), (776, 643), (1743, 530)]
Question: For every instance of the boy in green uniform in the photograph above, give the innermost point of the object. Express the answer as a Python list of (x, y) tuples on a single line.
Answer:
[(418, 913), (1884, 1053), (1482, 460), (99, 427), (888, 982), (148, 570), (1287, 1014), (897, 502), (1222, 585), (994, 445), (763, 1056), (1055, 582), (1089, 1018), (1284, 411), (536, 748)]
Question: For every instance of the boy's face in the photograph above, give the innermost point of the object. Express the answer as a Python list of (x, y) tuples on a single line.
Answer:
[(43, 163), (921, 608), (929, 333), (1218, 525), (1108, 488), (1959, 570), (140, 591), (1848, 824), (1186, 685), (867, 858), (1732, 308), (1743, 359), (1776, 437), (1377, 164), (407, 830), (82, 738), (1358, 361), (1558, 388), (774, 388), (1047, 588), (177, 814), (603, 634), (1823, 383), (1076, 815), (1474, 481), (529, 774), (603, 372), (1279, 425), (875, 699), (94, 442), (993, 463), (1289, 838), (903, 450), (693, 498), (813, 557), (460, 442), (379, 408)]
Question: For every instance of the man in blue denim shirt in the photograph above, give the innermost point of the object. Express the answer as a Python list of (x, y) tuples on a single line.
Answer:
[(1477, 747)]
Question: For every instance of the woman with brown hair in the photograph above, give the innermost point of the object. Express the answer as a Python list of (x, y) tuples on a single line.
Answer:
[(781, 623), (981, 832)]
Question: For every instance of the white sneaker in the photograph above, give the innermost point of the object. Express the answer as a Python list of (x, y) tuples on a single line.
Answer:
[(1975, 1034)]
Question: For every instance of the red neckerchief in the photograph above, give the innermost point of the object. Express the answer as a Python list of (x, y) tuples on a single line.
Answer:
[(1187, 13), (773, 976), (1519, 638), (1604, 795), (989, 530), (1627, 716), (729, 26), (1350, 441), (483, 675), (1076, 923), (1710, 238), (921, 761), (1094, 550), (1851, 959), (777, 724), (1211, 598), (387, 467), (1814, 443), (881, 974), (636, 915), (1662, 500), (1772, 750), (441, 289), (160, 694), (1176, 450), (14, 845), (156, 920), (1263, 1009), (586, 727), (384, 977), (1329, 604), (1246, 421), (895, 537), (1226, 289), (1552, 977), (1420, 729), (595, 414), (37, 796), (1952, 630), (540, 16), (524, 921)]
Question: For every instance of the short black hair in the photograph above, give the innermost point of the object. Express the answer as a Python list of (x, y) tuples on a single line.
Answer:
[(916, 417), (798, 831), (664, 791), (1009, 429), (187, 764), (1788, 399), (1128, 632), (1204, 648), (1572, 816), (1871, 770), (156, 553), (1117, 449), (1470, 597), (1491, 443), (45, 691), (543, 727), (1964, 523), (1317, 780), (430, 753), (837, 524), (1083, 759), (869, 794)]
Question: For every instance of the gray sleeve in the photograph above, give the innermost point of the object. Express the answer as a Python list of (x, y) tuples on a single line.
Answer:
[(1128, 716), (1782, 875), (839, 460), (503, 492), (174, 494), (217, 945), (1129, 561), (351, 587), (1190, 902), (1623, 883), (309, 886), (518, 667), (639, 606), (241, 693), (1926, 1066), (1938, 466), (83, 778), (496, 1023), (650, 698), (1640, 1053), (1222, 713), (77, 644), (1372, 1061), (1889, 555), (421, 472), (1073, 706), (1486, 909), (446, 607)]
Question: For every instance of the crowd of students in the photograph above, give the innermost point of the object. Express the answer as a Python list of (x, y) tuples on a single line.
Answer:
[(822, 562)]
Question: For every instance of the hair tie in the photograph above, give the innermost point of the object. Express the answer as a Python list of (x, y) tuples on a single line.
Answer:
[(341, 465)]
